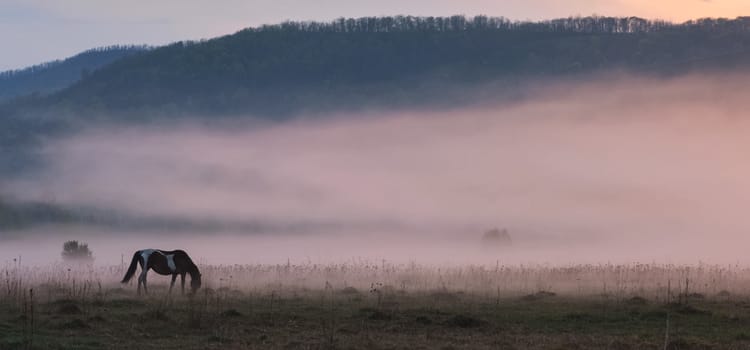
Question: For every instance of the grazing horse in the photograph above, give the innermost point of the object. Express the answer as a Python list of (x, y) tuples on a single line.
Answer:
[(163, 262)]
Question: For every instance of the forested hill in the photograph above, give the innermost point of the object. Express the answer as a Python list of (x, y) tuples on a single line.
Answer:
[(52, 76), (280, 69)]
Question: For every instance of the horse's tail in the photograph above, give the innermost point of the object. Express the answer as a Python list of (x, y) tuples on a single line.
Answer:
[(132, 268)]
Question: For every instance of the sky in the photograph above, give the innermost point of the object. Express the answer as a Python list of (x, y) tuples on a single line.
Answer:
[(35, 31)]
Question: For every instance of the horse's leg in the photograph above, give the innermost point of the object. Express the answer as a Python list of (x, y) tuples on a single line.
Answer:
[(140, 276), (143, 279), (182, 281), (174, 278)]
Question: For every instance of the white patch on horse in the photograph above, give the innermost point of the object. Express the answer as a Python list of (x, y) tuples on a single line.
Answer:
[(145, 254), (170, 262)]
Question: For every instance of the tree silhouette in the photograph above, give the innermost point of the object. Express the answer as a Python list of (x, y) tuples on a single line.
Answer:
[(77, 252)]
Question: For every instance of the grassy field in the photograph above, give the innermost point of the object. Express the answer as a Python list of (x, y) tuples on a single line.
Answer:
[(41, 312)]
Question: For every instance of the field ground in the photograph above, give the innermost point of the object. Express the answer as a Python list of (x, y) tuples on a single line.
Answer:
[(360, 305), (384, 318)]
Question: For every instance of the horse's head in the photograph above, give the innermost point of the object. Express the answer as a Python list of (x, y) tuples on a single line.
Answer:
[(195, 282)]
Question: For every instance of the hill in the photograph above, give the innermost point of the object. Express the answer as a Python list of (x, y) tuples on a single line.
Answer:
[(303, 66), (17, 215), (279, 71), (45, 78)]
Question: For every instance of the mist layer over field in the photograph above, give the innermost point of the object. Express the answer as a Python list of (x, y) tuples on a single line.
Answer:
[(616, 168)]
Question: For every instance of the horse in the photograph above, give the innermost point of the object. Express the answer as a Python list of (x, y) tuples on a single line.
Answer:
[(163, 262)]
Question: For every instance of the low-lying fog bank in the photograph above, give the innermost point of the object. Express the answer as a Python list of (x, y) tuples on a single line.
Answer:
[(314, 265), (613, 169), (44, 246)]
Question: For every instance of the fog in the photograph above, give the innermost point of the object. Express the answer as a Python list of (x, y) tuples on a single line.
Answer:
[(611, 169)]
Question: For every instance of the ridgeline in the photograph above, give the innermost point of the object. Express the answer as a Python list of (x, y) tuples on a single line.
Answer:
[(278, 71)]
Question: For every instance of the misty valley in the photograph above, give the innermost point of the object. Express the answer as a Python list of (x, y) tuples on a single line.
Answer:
[(383, 183)]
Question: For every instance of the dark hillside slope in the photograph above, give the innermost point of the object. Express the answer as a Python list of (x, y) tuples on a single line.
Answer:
[(286, 68), (52, 76), (280, 71)]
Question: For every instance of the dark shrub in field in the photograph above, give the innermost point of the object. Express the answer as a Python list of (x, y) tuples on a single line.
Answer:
[(76, 252)]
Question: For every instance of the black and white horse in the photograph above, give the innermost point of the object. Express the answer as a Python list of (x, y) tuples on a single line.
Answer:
[(175, 262)]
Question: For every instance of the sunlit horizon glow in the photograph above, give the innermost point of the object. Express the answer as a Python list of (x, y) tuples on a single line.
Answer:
[(54, 30)]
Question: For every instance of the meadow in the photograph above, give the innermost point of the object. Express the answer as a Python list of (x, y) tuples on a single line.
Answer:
[(378, 305)]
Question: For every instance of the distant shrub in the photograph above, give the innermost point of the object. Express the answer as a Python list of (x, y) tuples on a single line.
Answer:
[(78, 252), (496, 237)]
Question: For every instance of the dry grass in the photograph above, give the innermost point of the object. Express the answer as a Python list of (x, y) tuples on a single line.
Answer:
[(363, 305)]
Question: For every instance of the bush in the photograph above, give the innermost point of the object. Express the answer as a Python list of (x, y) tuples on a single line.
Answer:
[(495, 237), (74, 251)]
